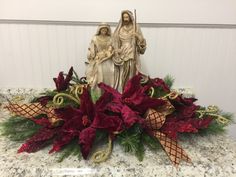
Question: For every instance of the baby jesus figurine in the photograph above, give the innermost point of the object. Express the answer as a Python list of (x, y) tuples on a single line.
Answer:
[(104, 54)]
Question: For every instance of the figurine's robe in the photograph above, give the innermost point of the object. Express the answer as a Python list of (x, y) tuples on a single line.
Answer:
[(127, 60), (100, 69)]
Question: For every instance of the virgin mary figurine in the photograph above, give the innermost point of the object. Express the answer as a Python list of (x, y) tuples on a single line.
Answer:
[(100, 52)]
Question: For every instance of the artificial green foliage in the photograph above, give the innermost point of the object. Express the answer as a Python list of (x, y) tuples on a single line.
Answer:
[(18, 128), (213, 128), (101, 136), (72, 148), (95, 95), (131, 142), (228, 116), (75, 78), (51, 93), (151, 142), (139, 153), (169, 80), (158, 92)]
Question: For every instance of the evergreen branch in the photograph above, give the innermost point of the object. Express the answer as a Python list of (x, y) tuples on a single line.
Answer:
[(169, 80), (139, 153), (18, 128), (72, 148), (130, 140), (213, 128), (151, 142)]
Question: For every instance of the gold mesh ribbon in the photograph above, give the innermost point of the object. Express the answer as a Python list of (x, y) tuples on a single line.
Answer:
[(32, 110), (154, 121)]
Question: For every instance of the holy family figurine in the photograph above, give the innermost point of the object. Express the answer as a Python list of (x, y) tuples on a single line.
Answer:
[(114, 58)]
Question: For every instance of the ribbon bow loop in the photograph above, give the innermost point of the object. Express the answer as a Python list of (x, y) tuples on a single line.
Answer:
[(154, 121)]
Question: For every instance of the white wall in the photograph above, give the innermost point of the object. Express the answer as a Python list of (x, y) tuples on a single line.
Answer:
[(149, 11), (202, 57)]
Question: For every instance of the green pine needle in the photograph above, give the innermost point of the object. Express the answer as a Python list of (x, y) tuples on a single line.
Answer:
[(158, 92), (72, 148), (169, 80), (131, 142), (94, 95), (229, 116), (213, 128), (151, 142), (139, 153), (18, 128)]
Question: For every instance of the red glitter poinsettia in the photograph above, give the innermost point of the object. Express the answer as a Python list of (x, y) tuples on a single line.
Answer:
[(61, 82), (133, 102), (184, 118), (79, 123), (84, 122), (157, 82), (41, 138)]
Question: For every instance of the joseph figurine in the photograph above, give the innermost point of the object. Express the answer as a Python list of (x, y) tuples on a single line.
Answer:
[(129, 43)]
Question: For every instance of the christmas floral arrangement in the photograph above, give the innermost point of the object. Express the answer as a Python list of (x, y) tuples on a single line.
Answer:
[(74, 119)]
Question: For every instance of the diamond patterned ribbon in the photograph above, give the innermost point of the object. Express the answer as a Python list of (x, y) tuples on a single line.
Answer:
[(154, 121), (31, 110)]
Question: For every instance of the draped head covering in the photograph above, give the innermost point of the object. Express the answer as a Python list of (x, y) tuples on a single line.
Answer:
[(103, 25)]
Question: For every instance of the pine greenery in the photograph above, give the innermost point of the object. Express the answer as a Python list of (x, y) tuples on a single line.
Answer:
[(131, 142), (72, 148), (151, 142), (169, 80), (18, 128)]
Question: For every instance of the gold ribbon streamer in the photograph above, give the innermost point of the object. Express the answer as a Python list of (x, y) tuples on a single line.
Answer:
[(32, 110), (155, 121)]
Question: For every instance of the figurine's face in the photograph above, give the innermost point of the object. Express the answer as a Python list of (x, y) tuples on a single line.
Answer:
[(126, 18), (103, 31)]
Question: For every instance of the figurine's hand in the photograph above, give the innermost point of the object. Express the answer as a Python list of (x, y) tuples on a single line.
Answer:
[(137, 36)]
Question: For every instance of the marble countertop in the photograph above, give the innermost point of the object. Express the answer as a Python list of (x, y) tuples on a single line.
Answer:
[(211, 156)]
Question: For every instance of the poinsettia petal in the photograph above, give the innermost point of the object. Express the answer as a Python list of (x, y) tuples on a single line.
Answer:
[(108, 123), (103, 101), (201, 123), (67, 113), (43, 122), (86, 104), (157, 82), (109, 89), (186, 126), (59, 82), (63, 139), (86, 139), (44, 100), (38, 141), (68, 78), (130, 117), (132, 86)]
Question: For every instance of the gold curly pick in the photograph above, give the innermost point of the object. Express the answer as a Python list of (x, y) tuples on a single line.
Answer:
[(77, 90), (172, 95), (213, 111), (102, 155), (58, 99)]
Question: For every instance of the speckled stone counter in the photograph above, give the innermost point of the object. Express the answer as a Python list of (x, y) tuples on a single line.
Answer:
[(211, 156)]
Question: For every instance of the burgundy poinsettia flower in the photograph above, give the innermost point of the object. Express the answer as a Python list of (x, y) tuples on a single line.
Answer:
[(173, 125), (41, 138), (44, 100), (83, 123), (133, 102), (80, 123), (185, 107), (61, 82), (157, 82)]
